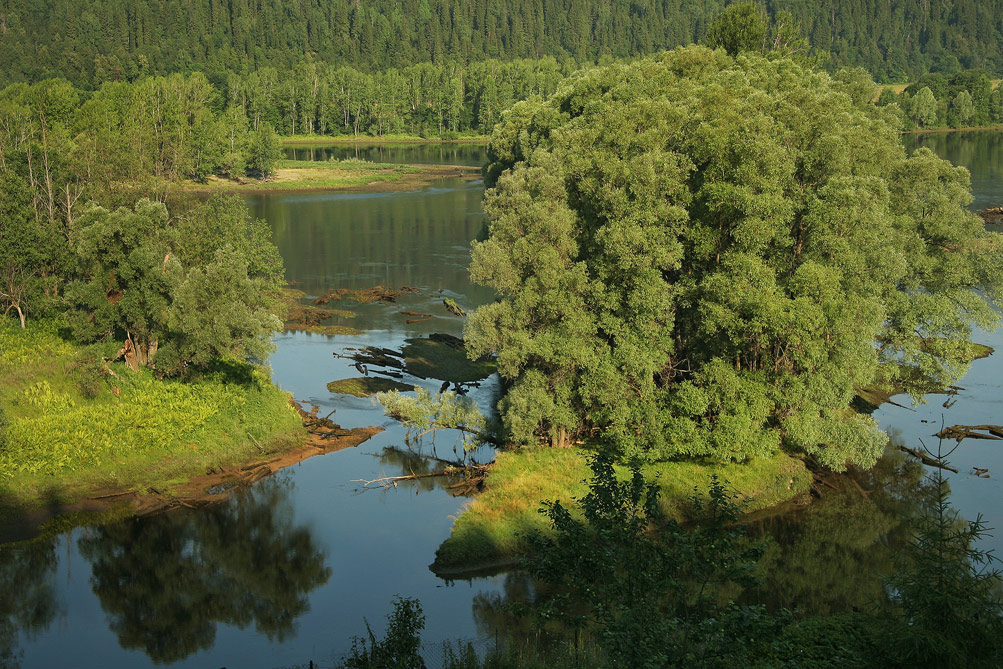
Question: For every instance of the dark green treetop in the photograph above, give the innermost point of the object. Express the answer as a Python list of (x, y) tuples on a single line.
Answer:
[(741, 27)]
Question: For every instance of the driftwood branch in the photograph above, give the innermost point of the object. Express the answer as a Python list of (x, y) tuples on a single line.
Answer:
[(926, 459), (474, 476), (392, 481), (959, 432)]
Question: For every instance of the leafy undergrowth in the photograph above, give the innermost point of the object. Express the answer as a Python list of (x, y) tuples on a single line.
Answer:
[(488, 531), (72, 427)]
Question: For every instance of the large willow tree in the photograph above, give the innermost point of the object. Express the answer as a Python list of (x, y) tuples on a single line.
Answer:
[(702, 255)]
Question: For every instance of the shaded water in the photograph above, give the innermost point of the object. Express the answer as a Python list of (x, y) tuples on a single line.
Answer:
[(446, 154), (284, 572)]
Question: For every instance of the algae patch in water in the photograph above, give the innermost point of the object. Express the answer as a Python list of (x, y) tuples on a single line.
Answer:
[(444, 357), (366, 386)]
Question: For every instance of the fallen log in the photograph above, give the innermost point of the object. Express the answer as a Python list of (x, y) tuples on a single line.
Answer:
[(474, 476), (959, 432), (926, 459)]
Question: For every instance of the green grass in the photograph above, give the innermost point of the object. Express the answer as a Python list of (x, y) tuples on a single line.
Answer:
[(311, 175), (489, 530), (347, 165), (71, 428)]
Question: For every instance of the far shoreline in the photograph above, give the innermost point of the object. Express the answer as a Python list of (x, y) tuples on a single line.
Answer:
[(933, 131), (328, 177), (326, 140)]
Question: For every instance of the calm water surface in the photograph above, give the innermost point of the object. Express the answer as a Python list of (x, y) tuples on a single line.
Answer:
[(446, 154), (285, 572)]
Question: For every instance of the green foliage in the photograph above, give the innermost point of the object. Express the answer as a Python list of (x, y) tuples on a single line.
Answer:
[(741, 27), (490, 530), (184, 293), (948, 592), (69, 422), (264, 151), (962, 111), (425, 412), (695, 254), (112, 41), (4, 425), (924, 108), (398, 649), (643, 581)]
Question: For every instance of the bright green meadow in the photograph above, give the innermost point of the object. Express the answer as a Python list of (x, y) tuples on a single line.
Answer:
[(74, 424)]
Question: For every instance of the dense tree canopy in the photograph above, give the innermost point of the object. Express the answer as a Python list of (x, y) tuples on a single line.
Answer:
[(93, 41), (704, 255), (181, 292)]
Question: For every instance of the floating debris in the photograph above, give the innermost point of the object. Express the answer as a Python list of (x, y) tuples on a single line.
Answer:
[(367, 295), (453, 308)]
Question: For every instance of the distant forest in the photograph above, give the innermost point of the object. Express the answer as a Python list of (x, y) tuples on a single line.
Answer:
[(93, 41)]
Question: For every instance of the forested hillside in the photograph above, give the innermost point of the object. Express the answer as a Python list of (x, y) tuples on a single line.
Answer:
[(91, 41)]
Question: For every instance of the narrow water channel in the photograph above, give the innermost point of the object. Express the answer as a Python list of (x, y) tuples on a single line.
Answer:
[(285, 572)]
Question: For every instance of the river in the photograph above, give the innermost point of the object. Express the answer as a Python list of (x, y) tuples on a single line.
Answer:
[(285, 572)]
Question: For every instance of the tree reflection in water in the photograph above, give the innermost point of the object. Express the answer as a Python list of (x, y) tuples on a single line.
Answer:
[(167, 581), (27, 599), (834, 554), (826, 557)]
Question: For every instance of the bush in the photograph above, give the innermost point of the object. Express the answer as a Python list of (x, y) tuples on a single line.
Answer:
[(399, 647)]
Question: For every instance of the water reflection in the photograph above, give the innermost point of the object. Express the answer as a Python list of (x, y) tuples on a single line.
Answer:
[(833, 555), (28, 603), (166, 582), (979, 151), (409, 154), (826, 557)]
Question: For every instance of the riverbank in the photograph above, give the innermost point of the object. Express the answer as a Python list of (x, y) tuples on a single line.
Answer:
[(82, 436), (342, 175), (488, 534), (327, 140), (930, 131)]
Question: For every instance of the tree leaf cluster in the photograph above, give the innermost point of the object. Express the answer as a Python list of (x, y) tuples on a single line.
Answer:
[(181, 292), (703, 255), (964, 99)]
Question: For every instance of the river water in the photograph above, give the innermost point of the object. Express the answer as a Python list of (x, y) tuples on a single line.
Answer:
[(285, 572)]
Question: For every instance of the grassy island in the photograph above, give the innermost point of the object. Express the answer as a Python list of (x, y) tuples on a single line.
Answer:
[(492, 528), (340, 175)]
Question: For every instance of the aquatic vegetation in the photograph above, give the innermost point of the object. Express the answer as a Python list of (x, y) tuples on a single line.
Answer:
[(366, 386), (445, 358)]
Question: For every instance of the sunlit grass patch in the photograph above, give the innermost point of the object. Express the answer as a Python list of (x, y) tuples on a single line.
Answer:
[(73, 423), (490, 529)]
